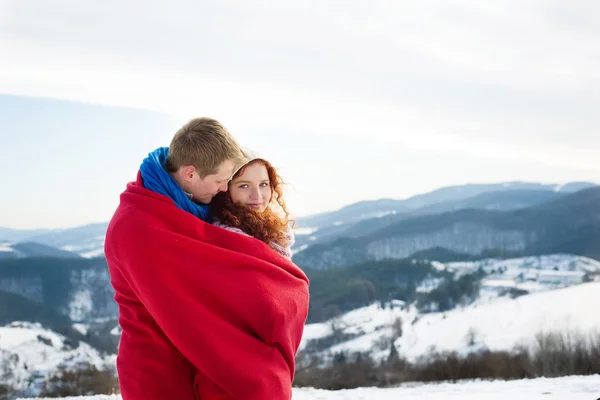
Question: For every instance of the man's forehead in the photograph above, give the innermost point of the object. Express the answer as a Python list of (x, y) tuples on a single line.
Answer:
[(225, 174)]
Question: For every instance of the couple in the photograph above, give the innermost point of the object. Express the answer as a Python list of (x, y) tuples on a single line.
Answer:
[(210, 304)]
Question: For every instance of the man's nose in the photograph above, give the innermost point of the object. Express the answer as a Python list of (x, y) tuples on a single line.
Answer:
[(223, 187)]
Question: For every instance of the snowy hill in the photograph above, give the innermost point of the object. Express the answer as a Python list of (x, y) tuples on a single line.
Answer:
[(32, 249), (565, 225), (569, 388), (498, 323), (506, 296), (450, 194), (529, 274), (87, 241), (78, 288), (30, 354), (353, 220), (365, 217), (505, 323)]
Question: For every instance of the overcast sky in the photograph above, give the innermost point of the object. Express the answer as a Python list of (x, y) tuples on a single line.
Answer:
[(353, 100)]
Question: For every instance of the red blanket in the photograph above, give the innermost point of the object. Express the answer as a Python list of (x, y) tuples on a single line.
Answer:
[(206, 313)]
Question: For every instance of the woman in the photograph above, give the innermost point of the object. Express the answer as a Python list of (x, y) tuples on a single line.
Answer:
[(254, 206), (269, 305)]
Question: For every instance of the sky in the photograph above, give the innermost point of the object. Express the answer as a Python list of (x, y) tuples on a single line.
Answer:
[(351, 100)]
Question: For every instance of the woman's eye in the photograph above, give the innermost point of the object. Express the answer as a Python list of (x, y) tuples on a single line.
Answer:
[(264, 184), (243, 186)]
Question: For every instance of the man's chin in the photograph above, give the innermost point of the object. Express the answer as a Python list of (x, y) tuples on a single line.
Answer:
[(204, 201)]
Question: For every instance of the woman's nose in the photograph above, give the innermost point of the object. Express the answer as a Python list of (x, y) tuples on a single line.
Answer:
[(254, 193)]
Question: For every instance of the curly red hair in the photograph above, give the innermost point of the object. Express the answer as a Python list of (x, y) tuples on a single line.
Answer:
[(270, 225)]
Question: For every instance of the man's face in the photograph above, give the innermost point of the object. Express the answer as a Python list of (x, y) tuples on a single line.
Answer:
[(204, 189)]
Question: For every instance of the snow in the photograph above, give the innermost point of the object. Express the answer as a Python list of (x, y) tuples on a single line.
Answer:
[(376, 214), (116, 331), (88, 247), (368, 325), (499, 323), (81, 328), (27, 350), (5, 247), (536, 273), (505, 323), (382, 214), (305, 231), (561, 262), (93, 253), (429, 284), (567, 388), (81, 305), (438, 265), (299, 249), (559, 187)]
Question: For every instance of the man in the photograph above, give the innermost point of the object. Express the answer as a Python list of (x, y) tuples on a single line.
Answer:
[(205, 313), (197, 165)]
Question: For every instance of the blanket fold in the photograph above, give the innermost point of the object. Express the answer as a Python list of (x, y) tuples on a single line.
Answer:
[(200, 306)]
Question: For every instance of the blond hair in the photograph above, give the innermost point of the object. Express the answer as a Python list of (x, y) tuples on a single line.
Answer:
[(204, 143)]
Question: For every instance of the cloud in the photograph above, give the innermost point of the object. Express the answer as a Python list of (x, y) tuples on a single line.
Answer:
[(503, 79)]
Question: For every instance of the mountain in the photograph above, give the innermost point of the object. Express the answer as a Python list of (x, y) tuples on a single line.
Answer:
[(87, 241), (570, 224), (383, 207), (364, 218), (30, 356), (335, 291), (439, 286), (17, 235), (497, 324), (32, 249), (496, 200), (76, 288), (354, 220)]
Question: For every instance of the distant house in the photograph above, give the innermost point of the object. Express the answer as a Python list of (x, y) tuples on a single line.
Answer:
[(560, 278), (399, 304)]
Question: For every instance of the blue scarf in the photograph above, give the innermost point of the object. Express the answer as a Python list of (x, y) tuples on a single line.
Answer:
[(158, 180)]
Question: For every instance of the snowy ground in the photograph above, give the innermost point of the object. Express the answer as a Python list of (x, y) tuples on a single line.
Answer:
[(507, 322), (557, 302), (498, 325), (28, 353), (569, 388), (535, 273)]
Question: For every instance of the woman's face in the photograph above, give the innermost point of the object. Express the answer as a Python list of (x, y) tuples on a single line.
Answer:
[(252, 188)]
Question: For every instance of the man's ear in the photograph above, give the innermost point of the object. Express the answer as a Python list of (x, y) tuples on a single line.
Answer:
[(188, 173)]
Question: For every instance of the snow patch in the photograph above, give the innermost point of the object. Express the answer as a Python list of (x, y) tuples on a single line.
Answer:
[(81, 328), (116, 331), (93, 253), (81, 305), (31, 353), (305, 231), (5, 247)]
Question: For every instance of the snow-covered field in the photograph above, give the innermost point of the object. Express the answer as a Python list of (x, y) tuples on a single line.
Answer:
[(29, 353), (498, 325), (569, 388), (535, 273), (557, 302)]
